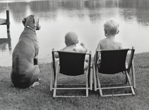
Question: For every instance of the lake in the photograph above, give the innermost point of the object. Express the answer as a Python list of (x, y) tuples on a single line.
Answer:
[(85, 17)]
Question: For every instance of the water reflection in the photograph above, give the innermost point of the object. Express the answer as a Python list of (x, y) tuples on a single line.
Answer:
[(18, 10), (135, 9), (129, 9), (85, 17)]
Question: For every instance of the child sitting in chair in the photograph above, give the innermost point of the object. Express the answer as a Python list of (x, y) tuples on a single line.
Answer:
[(71, 41), (111, 29)]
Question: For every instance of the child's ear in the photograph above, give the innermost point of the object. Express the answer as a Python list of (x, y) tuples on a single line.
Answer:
[(105, 31), (66, 43)]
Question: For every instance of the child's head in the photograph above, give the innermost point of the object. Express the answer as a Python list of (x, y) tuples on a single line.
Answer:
[(71, 38), (111, 28)]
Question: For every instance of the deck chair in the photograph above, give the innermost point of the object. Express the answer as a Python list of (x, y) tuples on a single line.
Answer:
[(114, 62), (6, 21), (71, 64)]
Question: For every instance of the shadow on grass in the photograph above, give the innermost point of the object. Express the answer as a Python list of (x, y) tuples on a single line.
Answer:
[(40, 97)]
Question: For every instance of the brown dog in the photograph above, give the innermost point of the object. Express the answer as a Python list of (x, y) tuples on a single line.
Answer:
[(24, 59)]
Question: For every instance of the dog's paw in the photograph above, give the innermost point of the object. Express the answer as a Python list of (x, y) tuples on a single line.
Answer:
[(34, 84)]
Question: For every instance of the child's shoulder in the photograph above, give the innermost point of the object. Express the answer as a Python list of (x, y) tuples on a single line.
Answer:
[(69, 48), (119, 45), (80, 48), (103, 41)]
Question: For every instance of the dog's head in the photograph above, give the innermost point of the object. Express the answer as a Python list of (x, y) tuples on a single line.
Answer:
[(31, 21)]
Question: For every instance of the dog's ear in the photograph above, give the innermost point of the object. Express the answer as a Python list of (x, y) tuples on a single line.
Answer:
[(24, 21)]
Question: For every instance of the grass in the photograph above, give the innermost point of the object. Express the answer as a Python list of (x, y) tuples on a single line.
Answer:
[(40, 97)]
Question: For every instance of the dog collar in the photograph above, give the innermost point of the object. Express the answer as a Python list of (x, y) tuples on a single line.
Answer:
[(30, 28)]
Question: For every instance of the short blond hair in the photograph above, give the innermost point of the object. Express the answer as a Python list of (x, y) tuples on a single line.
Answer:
[(71, 38), (111, 27)]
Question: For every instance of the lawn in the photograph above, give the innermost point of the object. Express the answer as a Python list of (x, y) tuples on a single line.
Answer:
[(40, 97)]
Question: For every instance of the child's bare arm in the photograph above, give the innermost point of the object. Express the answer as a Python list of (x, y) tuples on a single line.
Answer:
[(98, 46), (83, 45), (56, 55), (97, 49)]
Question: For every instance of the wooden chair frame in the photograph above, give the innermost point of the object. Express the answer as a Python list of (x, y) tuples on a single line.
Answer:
[(57, 67), (129, 70)]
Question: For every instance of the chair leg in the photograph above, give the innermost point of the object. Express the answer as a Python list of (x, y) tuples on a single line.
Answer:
[(99, 86), (94, 78), (133, 75), (53, 74), (87, 87), (55, 86), (55, 83), (129, 81), (91, 79), (51, 78)]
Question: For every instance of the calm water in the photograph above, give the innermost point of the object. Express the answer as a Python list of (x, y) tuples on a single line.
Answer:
[(85, 17)]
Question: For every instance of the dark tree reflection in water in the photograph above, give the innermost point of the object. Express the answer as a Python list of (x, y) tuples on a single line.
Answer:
[(85, 17)]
